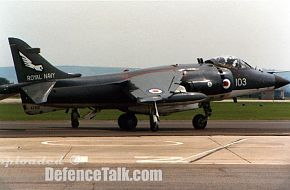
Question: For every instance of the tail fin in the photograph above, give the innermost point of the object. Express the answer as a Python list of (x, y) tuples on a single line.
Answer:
[(31, 66)]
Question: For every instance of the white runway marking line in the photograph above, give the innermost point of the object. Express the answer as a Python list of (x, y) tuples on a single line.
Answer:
[(167, 143), (208, 152), (189, 159), (231, 151)]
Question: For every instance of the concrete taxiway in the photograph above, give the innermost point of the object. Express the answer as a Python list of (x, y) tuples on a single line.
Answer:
[(227, 155)]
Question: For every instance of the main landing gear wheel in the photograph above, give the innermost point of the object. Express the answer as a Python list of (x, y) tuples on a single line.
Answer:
[(75, 118), (154, 124), (199, 121), (127, 122)]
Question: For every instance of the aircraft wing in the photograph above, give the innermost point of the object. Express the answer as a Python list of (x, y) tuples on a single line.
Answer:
[(160, 86)]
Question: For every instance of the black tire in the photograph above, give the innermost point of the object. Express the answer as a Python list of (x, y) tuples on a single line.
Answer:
[(75, 124), (75, 120), (127, 122), (154, 126), (199, 121)]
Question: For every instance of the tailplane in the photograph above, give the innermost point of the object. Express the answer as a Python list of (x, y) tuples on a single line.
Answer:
[(30, 66)]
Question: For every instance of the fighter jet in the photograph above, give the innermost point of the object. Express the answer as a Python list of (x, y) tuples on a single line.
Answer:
[(152, 91)]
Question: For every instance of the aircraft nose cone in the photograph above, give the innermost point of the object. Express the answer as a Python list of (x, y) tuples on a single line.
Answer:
[(279, 81)]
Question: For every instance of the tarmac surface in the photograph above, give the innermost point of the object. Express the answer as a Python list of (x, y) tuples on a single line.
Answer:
[(226, 155)]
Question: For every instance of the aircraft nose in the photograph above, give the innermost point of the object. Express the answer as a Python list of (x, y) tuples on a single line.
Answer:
[(279, 81)]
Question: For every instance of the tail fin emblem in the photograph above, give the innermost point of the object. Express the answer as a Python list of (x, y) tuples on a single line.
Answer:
[(28, 63)]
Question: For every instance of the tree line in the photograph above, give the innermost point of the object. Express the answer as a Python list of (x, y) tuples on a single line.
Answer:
[(4, 81)]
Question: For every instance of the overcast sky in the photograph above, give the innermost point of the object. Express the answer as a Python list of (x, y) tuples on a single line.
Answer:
[(142, 34)]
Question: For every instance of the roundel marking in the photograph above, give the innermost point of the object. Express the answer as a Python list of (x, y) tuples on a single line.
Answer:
[(209, 84), (226, 83), (155, 91)]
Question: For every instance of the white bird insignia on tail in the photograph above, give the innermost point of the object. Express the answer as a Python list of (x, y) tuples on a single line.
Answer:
[(28, 63)]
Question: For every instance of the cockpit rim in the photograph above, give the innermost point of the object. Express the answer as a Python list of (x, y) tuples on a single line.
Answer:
[(229, 62)]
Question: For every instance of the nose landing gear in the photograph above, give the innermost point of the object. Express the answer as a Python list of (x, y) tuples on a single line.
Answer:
[(200, 121)]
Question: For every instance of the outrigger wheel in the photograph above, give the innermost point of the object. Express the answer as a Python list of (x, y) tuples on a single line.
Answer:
[(154, 118), (154, 123), (200, 121), (75, 118)]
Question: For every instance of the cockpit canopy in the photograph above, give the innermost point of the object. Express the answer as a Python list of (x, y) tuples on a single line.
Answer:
[(229, 62)]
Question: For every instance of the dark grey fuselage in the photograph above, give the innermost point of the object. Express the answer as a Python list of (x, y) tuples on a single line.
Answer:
[(111, 91)]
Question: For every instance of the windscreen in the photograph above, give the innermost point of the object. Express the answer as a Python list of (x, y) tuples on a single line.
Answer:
[(229, 62)]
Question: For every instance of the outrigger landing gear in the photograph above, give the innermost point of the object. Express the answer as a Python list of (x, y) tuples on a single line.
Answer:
[(154, 119), (75, 118), (200, 121), (127, 121)]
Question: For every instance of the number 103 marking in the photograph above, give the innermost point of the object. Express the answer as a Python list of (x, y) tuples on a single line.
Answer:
[(241, 82)]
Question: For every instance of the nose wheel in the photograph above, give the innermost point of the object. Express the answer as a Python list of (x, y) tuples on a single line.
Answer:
[(127, 122), (200, 121)]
